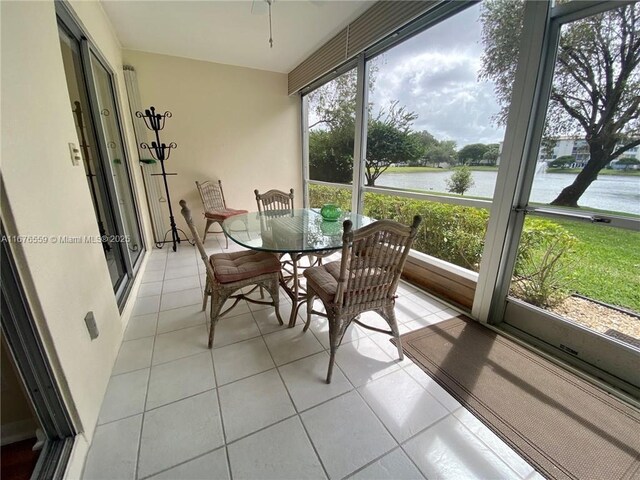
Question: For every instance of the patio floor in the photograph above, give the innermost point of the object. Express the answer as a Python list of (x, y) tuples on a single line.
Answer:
[(256, 406)]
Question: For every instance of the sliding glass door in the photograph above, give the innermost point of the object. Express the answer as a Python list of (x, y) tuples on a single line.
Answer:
[(93, 104), (575, 285)]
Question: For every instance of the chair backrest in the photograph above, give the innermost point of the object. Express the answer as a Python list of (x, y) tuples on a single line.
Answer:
[(186, 213), (372, 260), (274, 200), (212, 196)]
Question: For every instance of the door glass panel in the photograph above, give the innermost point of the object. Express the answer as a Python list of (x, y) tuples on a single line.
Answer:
[(117, 159), (589, 166), (96, 178)]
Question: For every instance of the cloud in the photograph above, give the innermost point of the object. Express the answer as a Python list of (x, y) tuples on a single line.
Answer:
[(435, 74)]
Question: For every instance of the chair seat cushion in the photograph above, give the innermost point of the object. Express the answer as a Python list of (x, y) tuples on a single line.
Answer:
[(223, 214), (323, 280), (237, 266)]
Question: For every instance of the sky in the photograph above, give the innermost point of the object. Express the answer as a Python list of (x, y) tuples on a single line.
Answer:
[(435, 74)]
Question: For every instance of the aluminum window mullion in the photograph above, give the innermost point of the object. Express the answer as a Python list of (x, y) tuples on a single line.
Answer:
[(506, 220), (304, 144), (360, 140)]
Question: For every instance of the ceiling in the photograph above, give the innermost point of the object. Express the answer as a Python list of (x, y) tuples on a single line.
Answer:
[(232, 32)]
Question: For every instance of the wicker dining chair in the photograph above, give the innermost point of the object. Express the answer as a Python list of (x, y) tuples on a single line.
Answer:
[(215, 206), (364, 279), (274, 200), (227, 273)]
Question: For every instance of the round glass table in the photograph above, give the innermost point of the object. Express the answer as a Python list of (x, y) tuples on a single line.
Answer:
[(299, 233)]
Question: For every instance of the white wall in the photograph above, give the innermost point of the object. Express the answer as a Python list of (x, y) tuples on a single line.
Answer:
[(230, 123), (45, 195)]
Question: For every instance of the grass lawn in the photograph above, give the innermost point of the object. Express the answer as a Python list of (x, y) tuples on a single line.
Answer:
[(606, 263)]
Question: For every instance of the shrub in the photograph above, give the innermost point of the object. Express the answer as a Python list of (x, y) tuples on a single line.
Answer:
[(455, 234), (542, 270)]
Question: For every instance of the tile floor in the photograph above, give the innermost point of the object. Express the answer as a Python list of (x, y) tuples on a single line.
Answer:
[(257, 407)]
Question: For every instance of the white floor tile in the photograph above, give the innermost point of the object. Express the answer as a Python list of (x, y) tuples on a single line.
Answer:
[(267, 320), (320, 328), (156, 264), (291, 344), (402, 404), (181, 343), (211, 465), (179, 431), (235, 329), (449, 450), (421, 322), (393, 466), (179, 272), (150, 289), (363, 361), (305, 380), (133, 355), (489, 438), (178, 284), (433, 388), (193, 296), (426, 302), (346, 434), (384, 342), (146, 305), (141, 326), (253, 403), (114, 450), (183, 317), (124, 396), (152, 276), (182, 262), (241, 360), (179, 379), (281, 451)]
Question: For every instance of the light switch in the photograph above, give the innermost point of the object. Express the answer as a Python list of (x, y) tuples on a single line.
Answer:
[(92, 326), (76, 158)]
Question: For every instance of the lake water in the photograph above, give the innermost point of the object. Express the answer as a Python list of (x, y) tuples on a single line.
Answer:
[(618, 193)]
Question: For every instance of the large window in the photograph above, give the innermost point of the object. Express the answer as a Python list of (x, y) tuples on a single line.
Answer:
[(434, 123)]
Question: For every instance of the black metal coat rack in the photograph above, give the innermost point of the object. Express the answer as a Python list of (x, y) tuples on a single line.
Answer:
[(161, 151)]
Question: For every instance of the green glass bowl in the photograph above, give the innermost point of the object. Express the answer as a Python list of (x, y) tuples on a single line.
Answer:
[(330, 212)]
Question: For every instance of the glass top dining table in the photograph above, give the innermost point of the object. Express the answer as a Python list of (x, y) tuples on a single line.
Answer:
[(285, 231), (298, 233)]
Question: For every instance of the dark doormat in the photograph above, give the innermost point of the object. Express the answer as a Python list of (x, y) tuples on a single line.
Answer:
[(562, 425)]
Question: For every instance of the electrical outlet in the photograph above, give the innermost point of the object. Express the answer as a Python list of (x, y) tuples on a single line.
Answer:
[(76, 158), (92, 326)]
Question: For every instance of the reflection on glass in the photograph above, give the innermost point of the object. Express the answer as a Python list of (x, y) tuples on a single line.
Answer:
[(117, 159), (332, 129), (434, 109), (90, 157)]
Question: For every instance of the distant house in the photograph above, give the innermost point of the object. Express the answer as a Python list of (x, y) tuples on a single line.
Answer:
[(578, 148)]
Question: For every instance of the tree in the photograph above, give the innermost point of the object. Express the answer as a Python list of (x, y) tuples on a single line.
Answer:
[(595, 87), (628, 162), (389, 140), (443, 152), (490, 157), (460, 181), (332, 131), (562, 162), (472, 154)]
